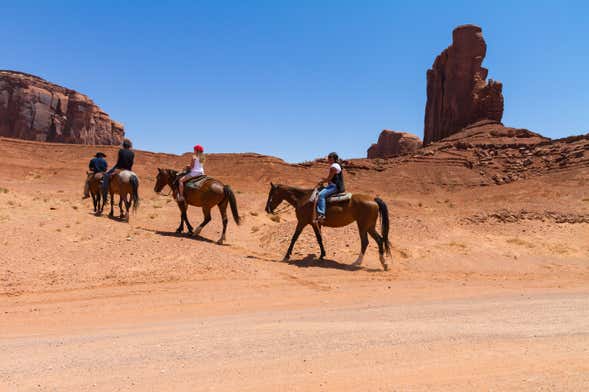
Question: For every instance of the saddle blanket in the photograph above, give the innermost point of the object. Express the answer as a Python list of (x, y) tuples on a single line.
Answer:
[(197, 182), (338, 197)]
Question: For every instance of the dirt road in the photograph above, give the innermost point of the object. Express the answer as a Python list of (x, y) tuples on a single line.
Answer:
[(305, 339)]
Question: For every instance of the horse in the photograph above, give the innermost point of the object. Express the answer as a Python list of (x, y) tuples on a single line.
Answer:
[(125, 183), (211, 193), (95, 187), (362, 209)]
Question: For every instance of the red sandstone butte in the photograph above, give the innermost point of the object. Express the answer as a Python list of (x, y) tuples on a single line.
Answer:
[(34, 109), (458, 93), (391, 144)]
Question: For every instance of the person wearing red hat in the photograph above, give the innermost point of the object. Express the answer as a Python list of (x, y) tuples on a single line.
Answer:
[(196, 169)]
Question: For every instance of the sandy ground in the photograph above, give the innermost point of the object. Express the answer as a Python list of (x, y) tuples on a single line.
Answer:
[(472, 301)]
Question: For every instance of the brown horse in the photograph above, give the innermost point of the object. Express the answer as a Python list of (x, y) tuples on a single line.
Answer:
[(125, 183), (95, 187), (362, 209), (211, 193)]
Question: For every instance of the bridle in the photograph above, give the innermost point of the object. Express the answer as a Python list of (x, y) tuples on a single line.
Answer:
[(278, 210)]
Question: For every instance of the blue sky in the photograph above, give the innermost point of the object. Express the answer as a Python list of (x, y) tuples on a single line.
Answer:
[(295, 79)]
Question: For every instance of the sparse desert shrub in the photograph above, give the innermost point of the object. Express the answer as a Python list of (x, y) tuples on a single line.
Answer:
[(520, 242), (3, 190), (457, 245)]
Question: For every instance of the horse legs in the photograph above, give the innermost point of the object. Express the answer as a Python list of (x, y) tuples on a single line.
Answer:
[(317, 231), (184, 218), (363, 246), (379, 240), (294, 239), (93, 201), (112, 205), (127, 200), (207, 213), (223, 209), (122, 215)]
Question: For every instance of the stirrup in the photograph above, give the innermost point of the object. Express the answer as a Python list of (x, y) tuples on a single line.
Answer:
[(320, 219)]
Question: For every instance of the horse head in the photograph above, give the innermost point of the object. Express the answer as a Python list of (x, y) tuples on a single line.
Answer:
[(275, 197), (164, 177)]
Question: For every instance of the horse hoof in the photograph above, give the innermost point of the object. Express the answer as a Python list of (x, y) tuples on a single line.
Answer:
[(286, 258), (180, 231), (385, 267), (220, 242)]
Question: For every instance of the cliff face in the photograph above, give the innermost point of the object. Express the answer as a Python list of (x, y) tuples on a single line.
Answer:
[(32, 108), (458, 93), (391, 144)]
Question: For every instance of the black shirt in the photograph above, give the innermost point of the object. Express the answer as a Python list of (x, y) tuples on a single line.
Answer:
[(125, 159)]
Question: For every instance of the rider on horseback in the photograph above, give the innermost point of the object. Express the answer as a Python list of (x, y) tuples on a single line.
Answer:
[(124, 162), (196, 169), (335, 180), (97, 165)]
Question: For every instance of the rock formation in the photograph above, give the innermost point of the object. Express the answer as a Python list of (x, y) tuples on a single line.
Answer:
[(34, 109), (457, 91), (391, 144)]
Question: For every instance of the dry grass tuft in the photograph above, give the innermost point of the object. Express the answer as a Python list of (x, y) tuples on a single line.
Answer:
[(520, 242)]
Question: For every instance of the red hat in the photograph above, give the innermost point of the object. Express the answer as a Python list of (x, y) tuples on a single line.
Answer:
[(198, 148)]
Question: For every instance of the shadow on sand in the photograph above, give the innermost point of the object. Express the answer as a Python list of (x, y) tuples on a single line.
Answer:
[(181, 235), (311, 261)]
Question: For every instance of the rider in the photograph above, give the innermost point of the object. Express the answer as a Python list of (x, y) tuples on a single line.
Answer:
[(124, 162), (97, 165), (196, 170), (335, 180)]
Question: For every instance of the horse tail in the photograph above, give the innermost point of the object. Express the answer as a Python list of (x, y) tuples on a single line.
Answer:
[(384, 218), (232, 202), (135, 194)]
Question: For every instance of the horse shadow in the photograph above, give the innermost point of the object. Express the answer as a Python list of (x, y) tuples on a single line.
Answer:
[(181, 235), (311, 261), (115, 218)]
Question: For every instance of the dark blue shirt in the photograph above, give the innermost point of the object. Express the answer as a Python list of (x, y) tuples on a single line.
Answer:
[(98, 165)]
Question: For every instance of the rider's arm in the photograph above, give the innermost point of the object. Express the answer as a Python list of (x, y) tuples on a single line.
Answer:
[(332, 172), (118, 160)]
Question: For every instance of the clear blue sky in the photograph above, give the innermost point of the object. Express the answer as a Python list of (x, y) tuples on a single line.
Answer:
[(295, 79)]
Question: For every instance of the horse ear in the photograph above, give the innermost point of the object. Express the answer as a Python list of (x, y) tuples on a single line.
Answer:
[(272, 185), (159, 170)]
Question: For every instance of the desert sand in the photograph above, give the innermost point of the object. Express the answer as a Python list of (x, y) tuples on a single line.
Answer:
[(488, 286)]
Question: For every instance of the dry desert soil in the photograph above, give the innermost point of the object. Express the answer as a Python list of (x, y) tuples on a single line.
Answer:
[(488, 287)]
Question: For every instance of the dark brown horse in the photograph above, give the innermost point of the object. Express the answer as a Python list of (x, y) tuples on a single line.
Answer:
[(95, 187), (211, 193), (125, 183), (362, 209)]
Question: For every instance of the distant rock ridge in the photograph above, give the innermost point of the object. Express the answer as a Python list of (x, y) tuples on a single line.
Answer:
[(32, 108), (392, 144), (458, 93)]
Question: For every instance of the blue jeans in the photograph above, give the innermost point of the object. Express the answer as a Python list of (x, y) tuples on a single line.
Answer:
[(323, 195), (105, 181)]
